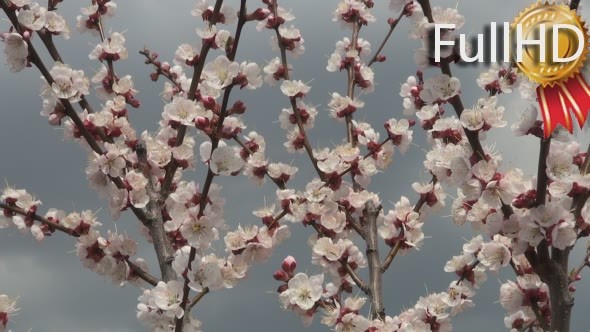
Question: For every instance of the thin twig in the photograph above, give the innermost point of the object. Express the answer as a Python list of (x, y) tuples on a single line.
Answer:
[(55, 226), (51, 224), (214, 138), (292, 100), (391, 256), (386, 39), (197, 298), (456, 103), (575, 274), (68, 108), (141, 273), (191, 94)]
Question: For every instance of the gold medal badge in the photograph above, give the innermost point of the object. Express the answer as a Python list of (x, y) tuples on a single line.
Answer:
[(561, 86)]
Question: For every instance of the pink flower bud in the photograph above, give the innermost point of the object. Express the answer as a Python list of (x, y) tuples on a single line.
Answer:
[(238, 108), (289, 264), (391, 21), (201, 123), (280, 275), (259, 14)]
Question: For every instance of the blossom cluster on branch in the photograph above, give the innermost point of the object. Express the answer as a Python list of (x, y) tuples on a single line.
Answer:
[(529, 223)]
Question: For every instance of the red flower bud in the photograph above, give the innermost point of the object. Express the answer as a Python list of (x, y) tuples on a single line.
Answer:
[(281, 275), (238, 108), (289, 264)]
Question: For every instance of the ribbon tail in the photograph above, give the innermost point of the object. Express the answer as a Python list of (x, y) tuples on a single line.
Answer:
[(554, 109), (577, 94)]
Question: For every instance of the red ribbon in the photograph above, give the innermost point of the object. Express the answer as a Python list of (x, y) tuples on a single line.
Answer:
[(556, 102)]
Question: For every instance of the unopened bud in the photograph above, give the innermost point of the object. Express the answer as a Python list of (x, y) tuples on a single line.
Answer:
[(391, 21), (289, 264), (134, 103), (202, 123), (238, 108), (259, 14), (280, 275), (347, 287), (209, 103)]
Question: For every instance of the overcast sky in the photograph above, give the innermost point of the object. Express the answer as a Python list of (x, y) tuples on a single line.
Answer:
[(58, 294)]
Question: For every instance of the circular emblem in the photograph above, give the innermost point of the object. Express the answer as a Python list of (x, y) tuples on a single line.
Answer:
[(549, 72)]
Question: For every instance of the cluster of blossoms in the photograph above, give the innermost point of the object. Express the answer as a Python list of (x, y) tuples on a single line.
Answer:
[(521, 298), (108, 256), (143, 172), (159, 307), (332, 204), (499, 204), (33, 18)]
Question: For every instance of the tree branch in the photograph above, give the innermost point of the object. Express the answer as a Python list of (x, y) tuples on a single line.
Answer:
[(191, 94), (472, 136), (55, 226), (390, 256), (392, 27), (242, 19), (292, 101), (575, 274), (197, 298), (542, 178), (142, 274), (69, 109), (155, 224), (375, 270)]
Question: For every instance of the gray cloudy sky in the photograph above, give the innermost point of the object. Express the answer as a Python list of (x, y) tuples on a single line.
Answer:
[(58, 294)]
